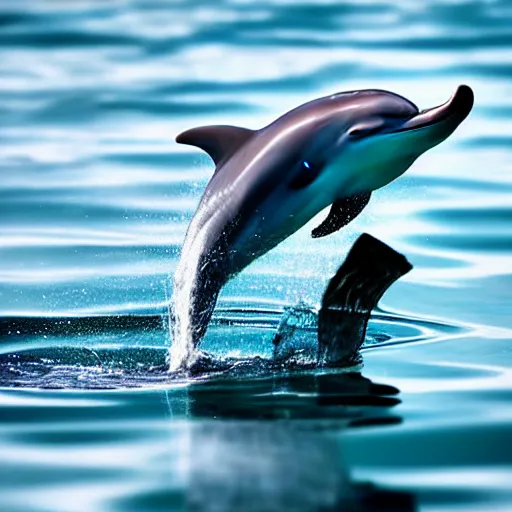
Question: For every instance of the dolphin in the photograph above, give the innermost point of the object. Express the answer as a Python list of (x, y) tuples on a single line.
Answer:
[(268, 183)]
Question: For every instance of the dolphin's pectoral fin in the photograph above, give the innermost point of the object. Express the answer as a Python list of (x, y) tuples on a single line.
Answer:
[(342, 212), (219, 141)]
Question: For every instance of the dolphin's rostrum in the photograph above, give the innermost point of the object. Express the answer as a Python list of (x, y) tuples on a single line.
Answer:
[(268, 183)]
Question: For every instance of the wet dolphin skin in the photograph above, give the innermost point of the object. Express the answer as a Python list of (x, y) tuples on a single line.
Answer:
[(268, 183)]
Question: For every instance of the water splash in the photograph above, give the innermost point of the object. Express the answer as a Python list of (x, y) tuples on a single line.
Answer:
[(131, 351), (181, 353)]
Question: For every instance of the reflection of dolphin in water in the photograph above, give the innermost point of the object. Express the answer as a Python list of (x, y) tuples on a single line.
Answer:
[(264, 459), (269, 183)]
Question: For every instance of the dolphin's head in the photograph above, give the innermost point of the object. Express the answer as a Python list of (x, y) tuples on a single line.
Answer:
[(372, 137)]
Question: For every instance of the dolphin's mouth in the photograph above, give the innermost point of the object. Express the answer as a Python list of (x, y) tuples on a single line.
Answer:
[(456, 109)]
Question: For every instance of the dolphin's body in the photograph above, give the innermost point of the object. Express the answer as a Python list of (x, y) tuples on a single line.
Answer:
[(268, 183)]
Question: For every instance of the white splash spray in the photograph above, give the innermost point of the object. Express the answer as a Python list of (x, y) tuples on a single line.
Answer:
[(181, 352)]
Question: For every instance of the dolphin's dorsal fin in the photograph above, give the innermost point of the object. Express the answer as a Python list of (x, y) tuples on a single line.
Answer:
[(341, 213), (219, 141)]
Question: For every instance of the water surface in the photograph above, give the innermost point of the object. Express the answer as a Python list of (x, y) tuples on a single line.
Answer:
[(95, 198)]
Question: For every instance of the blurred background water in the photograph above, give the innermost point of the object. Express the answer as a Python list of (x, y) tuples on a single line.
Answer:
[(95, 198)]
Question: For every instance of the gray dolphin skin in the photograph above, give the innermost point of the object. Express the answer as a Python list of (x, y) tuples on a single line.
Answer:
[(268, 183)]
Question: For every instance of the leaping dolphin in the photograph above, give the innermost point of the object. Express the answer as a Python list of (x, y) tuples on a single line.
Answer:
[(268, 183)]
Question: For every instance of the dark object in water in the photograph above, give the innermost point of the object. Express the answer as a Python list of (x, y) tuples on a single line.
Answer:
[(369, 269)]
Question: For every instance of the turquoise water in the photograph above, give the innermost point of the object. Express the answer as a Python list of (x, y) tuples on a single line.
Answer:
[(95, 201)]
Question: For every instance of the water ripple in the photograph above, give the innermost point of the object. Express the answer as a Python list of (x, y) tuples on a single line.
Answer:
[(95, 198)]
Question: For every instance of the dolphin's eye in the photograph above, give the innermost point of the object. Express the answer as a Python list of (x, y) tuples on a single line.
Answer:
[(305, 175)]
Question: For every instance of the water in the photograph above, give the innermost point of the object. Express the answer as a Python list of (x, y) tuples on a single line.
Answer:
[(95, 201)]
